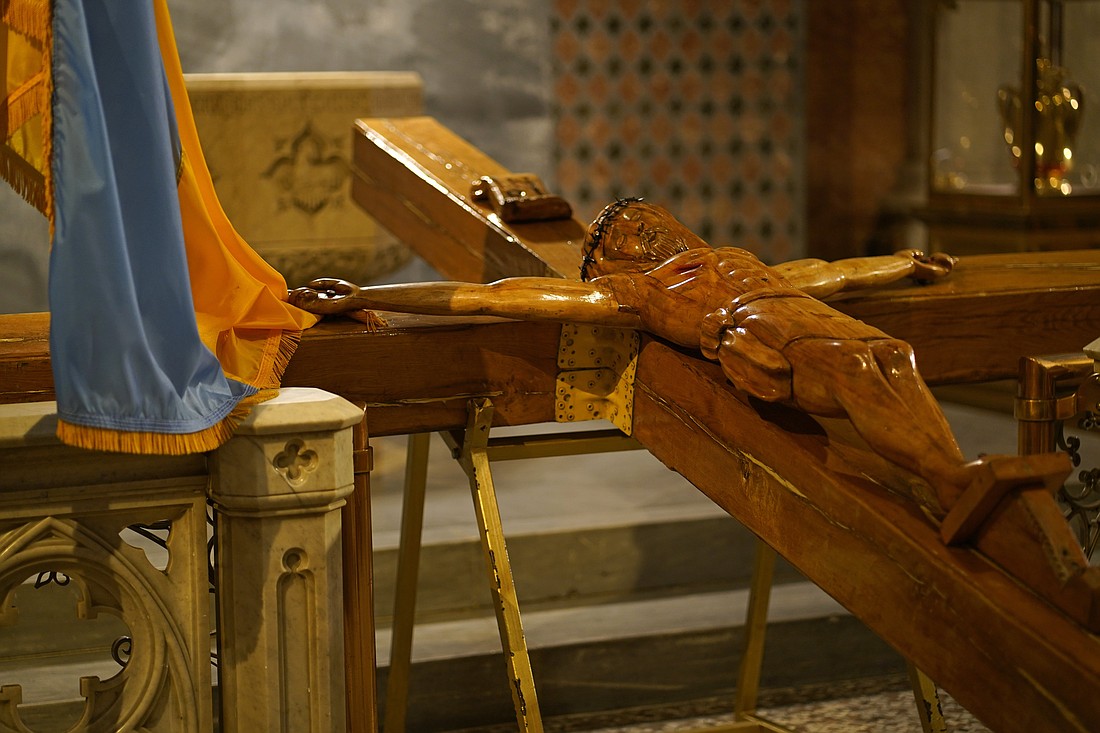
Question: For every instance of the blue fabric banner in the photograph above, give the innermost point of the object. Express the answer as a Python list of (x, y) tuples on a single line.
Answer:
[(124, 341)]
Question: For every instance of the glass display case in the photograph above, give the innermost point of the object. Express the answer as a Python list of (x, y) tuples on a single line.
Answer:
[(1014, 136)]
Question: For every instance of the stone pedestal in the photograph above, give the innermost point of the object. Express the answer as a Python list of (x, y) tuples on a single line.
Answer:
[(279, 485), (279, 148)]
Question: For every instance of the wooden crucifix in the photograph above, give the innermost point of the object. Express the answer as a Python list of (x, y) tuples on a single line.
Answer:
[(777, 342)]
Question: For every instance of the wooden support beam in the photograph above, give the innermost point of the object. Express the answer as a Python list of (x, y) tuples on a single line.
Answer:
[(805, 488), (977, 323), (419, 374), (25, 374), (414, 376)]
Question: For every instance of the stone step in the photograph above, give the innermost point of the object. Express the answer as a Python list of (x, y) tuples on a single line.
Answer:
[(582, 566), (592, 659), (580, 530)]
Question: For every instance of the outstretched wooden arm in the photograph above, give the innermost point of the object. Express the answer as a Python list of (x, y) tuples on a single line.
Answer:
[(527, 298), (822, 279)]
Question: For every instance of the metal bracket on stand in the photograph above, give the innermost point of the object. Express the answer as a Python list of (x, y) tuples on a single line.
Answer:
[(745, 719), (596, 367), (471, 449)]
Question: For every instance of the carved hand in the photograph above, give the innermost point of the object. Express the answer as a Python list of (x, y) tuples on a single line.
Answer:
[(712, 330), (326, 296), (927, 268)]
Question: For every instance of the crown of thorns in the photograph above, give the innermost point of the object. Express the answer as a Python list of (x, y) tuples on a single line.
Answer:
[(596, 237)]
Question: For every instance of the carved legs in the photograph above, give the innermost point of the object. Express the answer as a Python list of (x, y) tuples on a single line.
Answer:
[(875, 385), (1003, 505)]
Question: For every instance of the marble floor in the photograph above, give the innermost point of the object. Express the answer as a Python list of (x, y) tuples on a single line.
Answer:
[(869, 706)]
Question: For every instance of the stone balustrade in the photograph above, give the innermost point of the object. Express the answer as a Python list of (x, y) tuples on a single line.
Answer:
[(275, 490)]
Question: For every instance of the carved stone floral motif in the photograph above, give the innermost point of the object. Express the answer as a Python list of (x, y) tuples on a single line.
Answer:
[(310, 171), (295, 461)]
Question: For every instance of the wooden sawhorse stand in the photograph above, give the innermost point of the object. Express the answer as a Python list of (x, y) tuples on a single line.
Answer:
[(474, 451)]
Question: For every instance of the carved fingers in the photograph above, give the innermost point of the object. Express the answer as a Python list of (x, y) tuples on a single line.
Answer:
[(712, 331), (326, 296), (753, 366)]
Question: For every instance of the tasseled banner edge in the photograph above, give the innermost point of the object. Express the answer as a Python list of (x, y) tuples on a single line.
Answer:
[(373, 321), (166, 444), (203, 441), (288, 344), (278, 351), (32, 18), (25, 180), (28, 100)]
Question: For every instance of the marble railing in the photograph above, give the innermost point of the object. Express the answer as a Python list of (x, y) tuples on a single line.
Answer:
[(275, 490)]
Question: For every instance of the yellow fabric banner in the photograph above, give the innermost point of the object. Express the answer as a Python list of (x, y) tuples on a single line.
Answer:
[(239, 301), (25, 38)]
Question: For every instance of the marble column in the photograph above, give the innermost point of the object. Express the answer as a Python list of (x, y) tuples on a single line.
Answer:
[(278, 487)]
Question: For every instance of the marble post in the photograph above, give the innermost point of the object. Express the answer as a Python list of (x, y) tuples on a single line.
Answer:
[(278, 487)]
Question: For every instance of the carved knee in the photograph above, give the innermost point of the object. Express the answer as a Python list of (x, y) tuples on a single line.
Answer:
[(894, 358)]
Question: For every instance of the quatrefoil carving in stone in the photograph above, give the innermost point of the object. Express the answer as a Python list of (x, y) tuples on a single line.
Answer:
[(295, 461)]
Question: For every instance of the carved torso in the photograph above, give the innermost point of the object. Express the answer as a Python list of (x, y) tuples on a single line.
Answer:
[(674, 297)]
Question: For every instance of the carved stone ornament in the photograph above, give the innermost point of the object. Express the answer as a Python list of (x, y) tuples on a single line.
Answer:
[(157, 688)]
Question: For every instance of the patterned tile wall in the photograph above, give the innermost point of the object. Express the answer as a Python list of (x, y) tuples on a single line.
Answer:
[(694, 105)]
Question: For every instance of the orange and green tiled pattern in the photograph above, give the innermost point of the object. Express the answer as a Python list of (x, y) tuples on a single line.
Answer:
[(692, 105)]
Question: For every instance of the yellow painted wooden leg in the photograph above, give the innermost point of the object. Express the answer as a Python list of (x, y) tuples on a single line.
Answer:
[(928, 702), (408, 565), (475, 461)]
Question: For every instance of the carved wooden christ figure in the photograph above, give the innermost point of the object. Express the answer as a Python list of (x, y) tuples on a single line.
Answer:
[(645, 270), (775, 341)]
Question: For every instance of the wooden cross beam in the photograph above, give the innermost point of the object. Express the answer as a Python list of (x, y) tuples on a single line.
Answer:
[(1020, 305), (414, 176)]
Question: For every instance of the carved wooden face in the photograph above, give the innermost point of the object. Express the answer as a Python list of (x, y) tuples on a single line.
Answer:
[(631, 234)]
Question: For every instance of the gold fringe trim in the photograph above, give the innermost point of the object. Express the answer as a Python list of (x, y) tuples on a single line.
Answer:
[(47, 116), (28, 181), (278, 349), (373, 321), (165, 444), (171, 444), (24, 103), (29, 17), (288, 344)]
